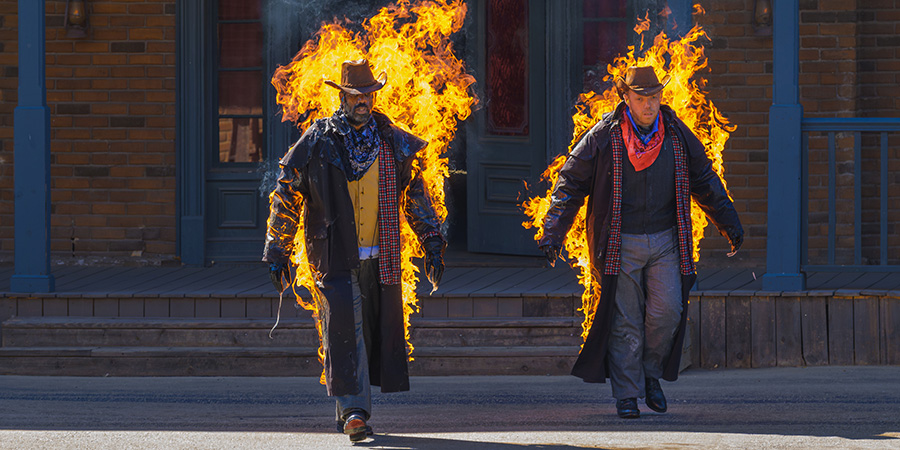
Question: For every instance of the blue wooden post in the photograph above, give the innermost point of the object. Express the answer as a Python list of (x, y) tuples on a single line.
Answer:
[(784, 233), (192, 138), (32, 158)]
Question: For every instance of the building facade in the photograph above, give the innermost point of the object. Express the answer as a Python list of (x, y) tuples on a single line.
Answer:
[(164, 131)]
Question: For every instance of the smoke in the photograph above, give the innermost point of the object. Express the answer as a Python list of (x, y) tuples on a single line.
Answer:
[(288, 25), (307, 16)]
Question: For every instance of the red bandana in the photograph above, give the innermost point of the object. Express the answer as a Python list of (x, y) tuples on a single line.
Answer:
[(642, 155)]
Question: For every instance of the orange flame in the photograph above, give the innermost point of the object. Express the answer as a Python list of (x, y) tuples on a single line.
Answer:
[(681, 59), (427, 93), (642, 24)]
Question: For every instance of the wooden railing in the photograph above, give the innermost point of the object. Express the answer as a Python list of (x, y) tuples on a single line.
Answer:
[(836, 157)]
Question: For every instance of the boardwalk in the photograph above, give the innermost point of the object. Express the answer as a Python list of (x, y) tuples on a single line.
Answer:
[(251, 280)]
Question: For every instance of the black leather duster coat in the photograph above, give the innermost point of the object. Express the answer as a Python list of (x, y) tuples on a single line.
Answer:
[(588, 172), (312, 170)]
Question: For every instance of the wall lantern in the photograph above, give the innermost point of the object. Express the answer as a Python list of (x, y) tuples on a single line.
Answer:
[(762, 17), (76, 18)]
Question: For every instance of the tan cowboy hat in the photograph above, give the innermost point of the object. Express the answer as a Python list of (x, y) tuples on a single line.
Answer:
[(641, 80), (357, 78)]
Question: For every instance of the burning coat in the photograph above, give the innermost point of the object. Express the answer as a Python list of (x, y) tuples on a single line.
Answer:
[(594, 169), (312, 172)]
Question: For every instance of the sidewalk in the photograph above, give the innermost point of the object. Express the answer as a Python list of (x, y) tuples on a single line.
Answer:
[(813, 407)]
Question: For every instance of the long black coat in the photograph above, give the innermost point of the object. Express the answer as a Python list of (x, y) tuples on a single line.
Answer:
[(588, 171), (313, 170)]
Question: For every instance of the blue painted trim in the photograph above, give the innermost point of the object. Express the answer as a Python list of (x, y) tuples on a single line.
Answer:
[(192, 126), (786, 52), (804, 197), (852, 124), (783, 246), (857, 197), (832, 196), (31, 135), (852, 268), (884, 199)]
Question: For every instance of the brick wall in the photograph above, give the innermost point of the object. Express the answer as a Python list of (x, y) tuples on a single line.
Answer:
[(112, 104), (848, 68)]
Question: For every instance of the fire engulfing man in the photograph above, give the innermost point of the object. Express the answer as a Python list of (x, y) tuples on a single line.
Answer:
[(640, 166), (350, 171)]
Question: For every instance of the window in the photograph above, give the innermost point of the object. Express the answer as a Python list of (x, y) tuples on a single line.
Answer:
[(507, 67), (605, 26), (240, 81)]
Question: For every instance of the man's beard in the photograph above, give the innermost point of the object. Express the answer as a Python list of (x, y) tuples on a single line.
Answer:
[(358, 118)]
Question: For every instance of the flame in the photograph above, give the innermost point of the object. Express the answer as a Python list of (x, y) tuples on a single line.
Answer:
[(427, 93), (681, 59), (642, 25)]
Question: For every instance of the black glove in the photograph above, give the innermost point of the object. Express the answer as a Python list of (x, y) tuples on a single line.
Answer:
[(552, 253), (736, 238), (434, 259), (277, 272)]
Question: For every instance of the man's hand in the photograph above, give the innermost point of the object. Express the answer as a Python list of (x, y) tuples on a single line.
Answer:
[(551, 252), (736, 238), (434, 260), (277, 272)]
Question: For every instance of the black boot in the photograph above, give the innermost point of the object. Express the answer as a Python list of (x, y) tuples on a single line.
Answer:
[(627, 408), (655, 398)]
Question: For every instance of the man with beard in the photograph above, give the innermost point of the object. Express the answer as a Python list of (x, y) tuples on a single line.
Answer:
[(640, 165), (349, 171)]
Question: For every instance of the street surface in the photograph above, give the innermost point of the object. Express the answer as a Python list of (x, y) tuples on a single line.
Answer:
[(808, 408)]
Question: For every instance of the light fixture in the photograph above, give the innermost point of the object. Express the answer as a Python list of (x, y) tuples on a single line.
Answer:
[(762, 17), (76, 18)]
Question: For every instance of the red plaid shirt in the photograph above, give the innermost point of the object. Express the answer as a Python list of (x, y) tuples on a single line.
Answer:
[(388, 218)]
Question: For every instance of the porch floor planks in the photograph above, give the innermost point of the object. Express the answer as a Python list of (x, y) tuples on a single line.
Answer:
[(125, 281), (148, 279), (866, 280), (246, 281), (180, 282), (492, 279), (889, 283), (202, 288), (238, 283), (525, 273), (547, 280), (705, 274), (742, 281), (450, 274), (459, 284), (721, 280), (97, 280), (262, 287)]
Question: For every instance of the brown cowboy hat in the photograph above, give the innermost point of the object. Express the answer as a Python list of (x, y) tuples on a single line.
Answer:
[(357, 78), (641, 80)]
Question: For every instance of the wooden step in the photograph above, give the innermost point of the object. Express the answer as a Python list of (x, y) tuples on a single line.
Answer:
[(128, 332), (89, 346), (98, 332), (271, 361)]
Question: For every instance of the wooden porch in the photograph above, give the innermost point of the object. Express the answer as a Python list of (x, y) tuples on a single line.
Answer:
[(511, 318)]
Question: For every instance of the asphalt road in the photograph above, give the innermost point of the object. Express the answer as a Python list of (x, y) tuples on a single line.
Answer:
[(814, 407)]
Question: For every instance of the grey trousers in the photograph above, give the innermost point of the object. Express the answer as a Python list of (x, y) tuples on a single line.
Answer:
[(362, 401), (647, 311)]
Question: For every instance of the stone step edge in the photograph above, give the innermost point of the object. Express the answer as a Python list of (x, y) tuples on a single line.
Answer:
[(267, 323), (274, 352)]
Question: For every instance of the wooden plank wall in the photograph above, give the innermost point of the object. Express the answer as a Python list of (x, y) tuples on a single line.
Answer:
[(741, 331)]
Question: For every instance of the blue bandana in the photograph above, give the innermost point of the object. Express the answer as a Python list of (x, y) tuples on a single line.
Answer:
[(362, 145), (645, 138)]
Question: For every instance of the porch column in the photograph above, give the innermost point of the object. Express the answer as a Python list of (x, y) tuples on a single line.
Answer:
[(783, 246), (32, 158)]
